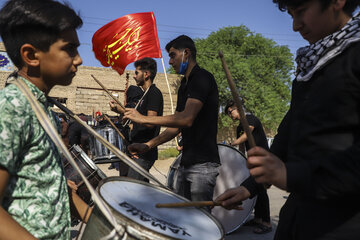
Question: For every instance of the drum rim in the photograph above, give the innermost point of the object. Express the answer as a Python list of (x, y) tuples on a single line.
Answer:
[(126, 179), (229, 146), (88, 160)]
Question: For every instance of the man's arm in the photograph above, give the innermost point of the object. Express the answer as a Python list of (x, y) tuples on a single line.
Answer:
[(9, 228), (150, 113), (182, 119), (165, 136), (116, 107), (242, 138)]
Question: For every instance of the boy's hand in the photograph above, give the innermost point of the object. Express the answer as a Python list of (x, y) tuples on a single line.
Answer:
[(72, 185), (233, 197), (265, 167)]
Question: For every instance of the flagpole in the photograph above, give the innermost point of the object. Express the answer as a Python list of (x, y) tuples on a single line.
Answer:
[(168, 85), (171, 101)]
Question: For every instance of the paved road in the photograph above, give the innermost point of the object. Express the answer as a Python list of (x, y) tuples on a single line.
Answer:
[(276, 196)]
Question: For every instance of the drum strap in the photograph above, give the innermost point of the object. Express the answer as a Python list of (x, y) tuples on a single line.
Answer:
[(137, 105), (51, 131)]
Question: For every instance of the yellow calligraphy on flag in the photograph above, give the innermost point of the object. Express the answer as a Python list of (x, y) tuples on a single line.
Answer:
[(131, 40)]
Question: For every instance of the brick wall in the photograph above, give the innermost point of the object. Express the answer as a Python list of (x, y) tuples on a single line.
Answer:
[(84, 95)]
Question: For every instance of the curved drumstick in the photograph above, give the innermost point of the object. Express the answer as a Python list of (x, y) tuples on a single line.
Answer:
[(107, 91), (238, 103)]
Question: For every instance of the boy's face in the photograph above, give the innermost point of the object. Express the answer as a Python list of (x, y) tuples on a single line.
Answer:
[(58, 66), (313, 22), (233, 113)]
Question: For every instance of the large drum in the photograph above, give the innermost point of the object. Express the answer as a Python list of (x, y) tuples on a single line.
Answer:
[(132, 203), (99, 151), (232, 173), (87, 167)]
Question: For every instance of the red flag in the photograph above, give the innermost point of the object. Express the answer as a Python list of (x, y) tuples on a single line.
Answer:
[(126, 40)]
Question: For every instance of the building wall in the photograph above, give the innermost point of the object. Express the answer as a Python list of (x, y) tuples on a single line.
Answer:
[(85, 95)]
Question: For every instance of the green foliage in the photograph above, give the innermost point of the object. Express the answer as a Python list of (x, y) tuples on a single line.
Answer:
[(261, 71), (168, 153)]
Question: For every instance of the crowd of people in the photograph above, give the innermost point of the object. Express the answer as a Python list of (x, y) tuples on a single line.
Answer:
[(314, 155)]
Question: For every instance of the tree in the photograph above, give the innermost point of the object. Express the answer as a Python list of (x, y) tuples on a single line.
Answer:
[(261, 70)]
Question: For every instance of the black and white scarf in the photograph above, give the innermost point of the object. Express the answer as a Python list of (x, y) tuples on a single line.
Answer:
[(311, 58)]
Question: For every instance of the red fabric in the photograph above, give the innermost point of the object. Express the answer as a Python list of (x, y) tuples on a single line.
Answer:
[(126, 40)]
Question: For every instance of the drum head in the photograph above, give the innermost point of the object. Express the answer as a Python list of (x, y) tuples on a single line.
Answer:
[(135, 200), (232, 173)]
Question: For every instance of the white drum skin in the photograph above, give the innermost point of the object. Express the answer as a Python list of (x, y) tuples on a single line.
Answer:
[(133, 205), (232, 173)]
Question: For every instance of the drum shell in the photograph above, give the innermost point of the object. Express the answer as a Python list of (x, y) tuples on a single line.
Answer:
[(98, 150), (98, 226), (232, 173)]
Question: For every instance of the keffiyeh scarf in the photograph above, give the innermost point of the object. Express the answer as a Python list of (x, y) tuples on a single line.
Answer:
[(311, 58)]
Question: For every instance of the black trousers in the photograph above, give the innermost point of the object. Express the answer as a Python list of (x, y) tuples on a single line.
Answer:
[(262, 206)]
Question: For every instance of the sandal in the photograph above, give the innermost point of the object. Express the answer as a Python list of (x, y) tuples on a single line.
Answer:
[(251, 223), (262, 229)]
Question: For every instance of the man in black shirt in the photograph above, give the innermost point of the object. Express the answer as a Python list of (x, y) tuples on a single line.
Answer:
[(150, 105), (315, 154), (196, 117), (261, 220), (77, 134)]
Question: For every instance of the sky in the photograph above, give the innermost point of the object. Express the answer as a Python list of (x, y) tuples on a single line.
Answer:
[(195, 18)]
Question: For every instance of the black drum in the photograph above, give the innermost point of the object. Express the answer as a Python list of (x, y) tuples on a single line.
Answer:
[(232, 173), (87, 167)]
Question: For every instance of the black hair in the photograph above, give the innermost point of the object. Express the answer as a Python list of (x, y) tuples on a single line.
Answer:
[(37, 22), (147, 64), (229, 104), (349, 7), (182, 42), (133, 95), (63, 116)]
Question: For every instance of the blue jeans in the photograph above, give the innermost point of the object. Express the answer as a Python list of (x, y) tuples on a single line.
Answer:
[(196, 182)]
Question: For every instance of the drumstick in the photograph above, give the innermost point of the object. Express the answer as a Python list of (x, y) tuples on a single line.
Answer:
[(188, 204), (106, 90), (116, 129), (193, 204), (238, 103)]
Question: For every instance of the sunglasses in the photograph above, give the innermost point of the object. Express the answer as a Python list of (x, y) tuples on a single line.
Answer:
[(229, 112)]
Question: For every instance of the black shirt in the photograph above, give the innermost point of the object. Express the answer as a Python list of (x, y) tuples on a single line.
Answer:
[(258, 132), (152, 101), (199, 140), (133, 95), (76, 131), (319, 141)]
